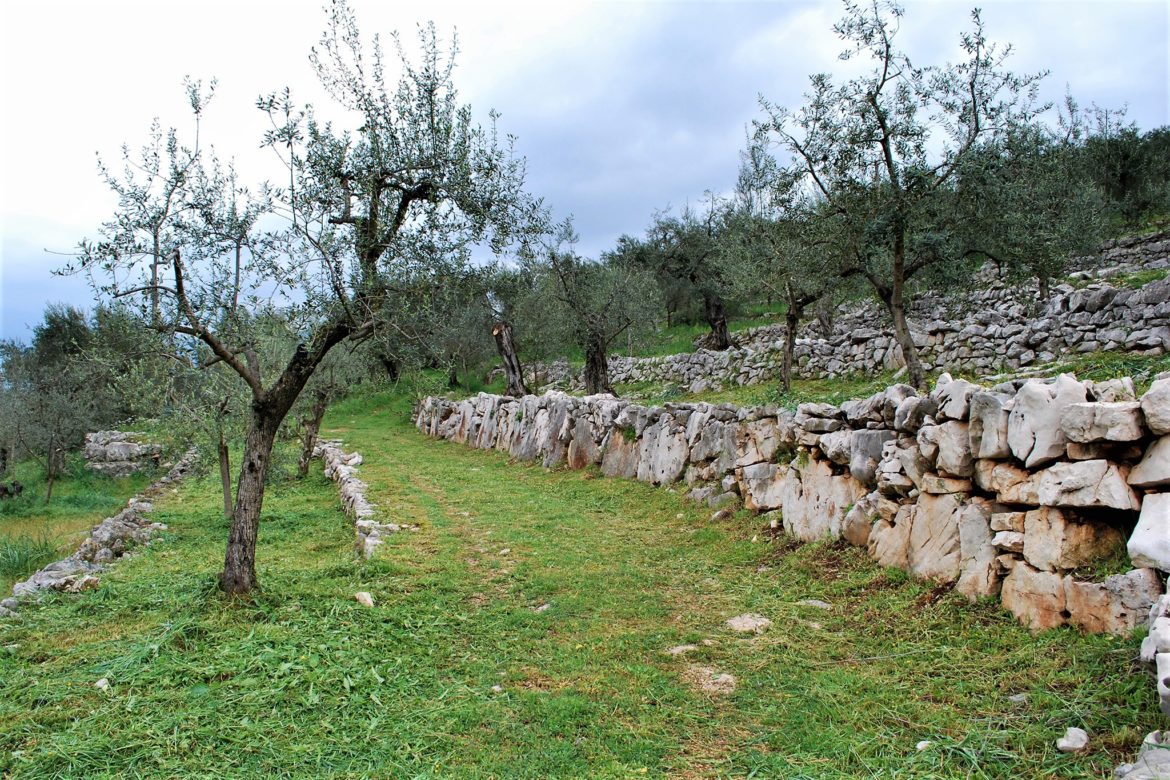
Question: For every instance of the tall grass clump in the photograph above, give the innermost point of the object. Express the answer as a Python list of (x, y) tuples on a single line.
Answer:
[(24, 554)]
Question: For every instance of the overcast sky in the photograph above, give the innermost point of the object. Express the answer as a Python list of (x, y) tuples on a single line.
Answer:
[(621, 108)]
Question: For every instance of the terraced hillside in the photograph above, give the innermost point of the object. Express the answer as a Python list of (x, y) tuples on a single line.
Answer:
[(525, 630)]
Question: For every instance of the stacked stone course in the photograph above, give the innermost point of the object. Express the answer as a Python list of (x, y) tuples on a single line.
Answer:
[(1021, 491), (119, 453), (997, 326), (342, 468), (111, 539), (1012, 491)]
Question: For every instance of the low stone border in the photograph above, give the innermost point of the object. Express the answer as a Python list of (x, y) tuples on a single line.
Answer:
[(112, 538), (342, 468)]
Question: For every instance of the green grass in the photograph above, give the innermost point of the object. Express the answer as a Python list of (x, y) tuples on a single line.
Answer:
[(1139, 279), (32, 530), (1099, 366), (304, 682), (681, 337), (833, 391), (20, 556)]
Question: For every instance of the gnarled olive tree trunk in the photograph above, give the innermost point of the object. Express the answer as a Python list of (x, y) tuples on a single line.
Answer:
[(310, 428), (239, 565), (894, 297), (513, 372), (715, 312), (597, 366)]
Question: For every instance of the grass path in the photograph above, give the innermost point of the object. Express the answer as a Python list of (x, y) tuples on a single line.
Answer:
[(462, 671)]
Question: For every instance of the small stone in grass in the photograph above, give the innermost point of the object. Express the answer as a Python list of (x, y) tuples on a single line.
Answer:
[(680, 649), (102, 684), (497, 689), (1018, 698), (816, 603), (505, 551), (542, 608), (1074, 741), (710, 681), (923, 745), (749, 623), (364, 598)]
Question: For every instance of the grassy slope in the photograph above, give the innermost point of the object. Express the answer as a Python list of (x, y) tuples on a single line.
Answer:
[(28, 525), (307, 683)]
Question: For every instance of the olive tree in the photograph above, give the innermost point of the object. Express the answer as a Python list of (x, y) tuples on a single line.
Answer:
[(598, 302), (406, 190), (783, 240), (884, 150), (50, 393), (1031, 203), (506, 289), (683, 253)]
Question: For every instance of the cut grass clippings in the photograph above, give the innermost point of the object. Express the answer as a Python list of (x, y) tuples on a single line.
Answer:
[(519, 633)]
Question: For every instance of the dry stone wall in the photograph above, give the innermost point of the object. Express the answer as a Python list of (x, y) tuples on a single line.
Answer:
[(111, 539), (342, 468), (1022, 490), (119, 453), (1125, 255), (994, 329), (996, 326), (1051, 495)]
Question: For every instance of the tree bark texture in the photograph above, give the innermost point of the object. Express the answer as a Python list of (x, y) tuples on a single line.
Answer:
[(896, 304), (239, 566), (392, 366), (1043, 288), (513, 372), (791, 322), (596, 367), (51, 470), (715, 313), (310, 427), (225, 475)]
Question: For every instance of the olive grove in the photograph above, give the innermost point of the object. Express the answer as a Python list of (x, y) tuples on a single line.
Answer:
[(403, 194)]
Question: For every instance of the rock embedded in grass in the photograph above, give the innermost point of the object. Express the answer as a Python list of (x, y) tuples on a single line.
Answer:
[(749, 623), (364, 598), (1153, 762), (1074, 740), (710, 681)]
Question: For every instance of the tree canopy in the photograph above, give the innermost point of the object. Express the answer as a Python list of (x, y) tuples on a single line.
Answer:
[(402, 194)]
